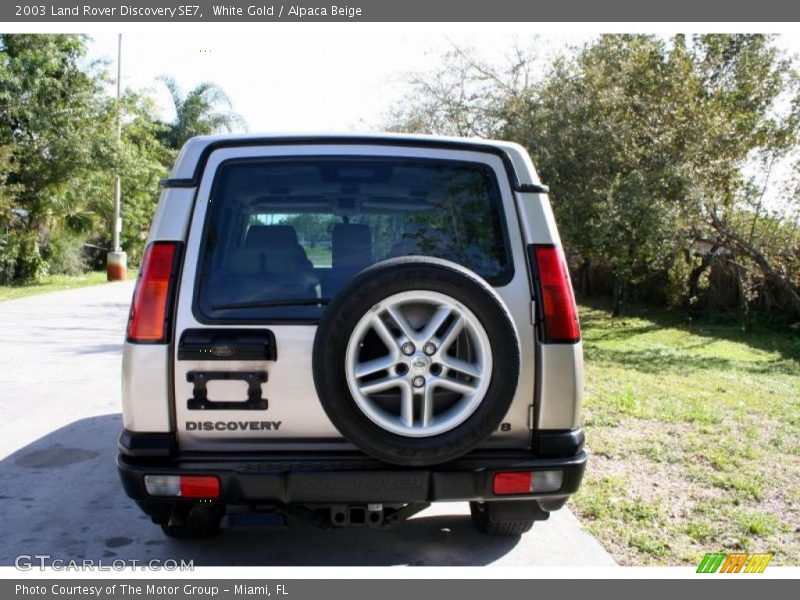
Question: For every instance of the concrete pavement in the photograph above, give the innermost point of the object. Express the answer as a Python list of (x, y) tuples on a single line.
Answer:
[(59, 420)]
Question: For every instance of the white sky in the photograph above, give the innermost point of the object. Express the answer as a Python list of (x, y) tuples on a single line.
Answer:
[(290, 82), (282, 80), (307, 82)]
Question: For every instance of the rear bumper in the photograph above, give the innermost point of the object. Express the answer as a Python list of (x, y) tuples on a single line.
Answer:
[(351, 477)]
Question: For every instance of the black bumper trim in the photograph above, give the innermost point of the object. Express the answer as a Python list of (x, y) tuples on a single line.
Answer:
[(348, 477), (559, 443), (547, 443), (146, 444)]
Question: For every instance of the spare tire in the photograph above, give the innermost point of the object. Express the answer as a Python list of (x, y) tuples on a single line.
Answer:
[(416, 360)]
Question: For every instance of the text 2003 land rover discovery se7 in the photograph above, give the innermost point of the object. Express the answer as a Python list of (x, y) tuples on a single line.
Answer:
[(347, 328)]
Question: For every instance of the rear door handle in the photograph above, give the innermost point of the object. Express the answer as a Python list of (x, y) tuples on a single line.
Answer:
[(227, 344)]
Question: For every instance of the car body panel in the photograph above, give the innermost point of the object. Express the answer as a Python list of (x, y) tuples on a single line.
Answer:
[(560, 366), (300, 457), (153, 401), (290, 387), (191, 158), (146, 389)]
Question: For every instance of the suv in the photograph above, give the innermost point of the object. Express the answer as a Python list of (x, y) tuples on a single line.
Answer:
[(348, 328)]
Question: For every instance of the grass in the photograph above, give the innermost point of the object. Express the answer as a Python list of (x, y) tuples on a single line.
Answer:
[(319, 256), (694, 432), (55, 283)]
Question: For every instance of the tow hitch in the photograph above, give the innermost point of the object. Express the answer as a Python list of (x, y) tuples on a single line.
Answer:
[(372, 515)]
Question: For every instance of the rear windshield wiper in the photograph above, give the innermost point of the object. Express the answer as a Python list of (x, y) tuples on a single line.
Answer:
[(271, 303)]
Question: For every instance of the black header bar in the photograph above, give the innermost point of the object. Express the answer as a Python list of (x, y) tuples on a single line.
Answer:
[(516, 11)]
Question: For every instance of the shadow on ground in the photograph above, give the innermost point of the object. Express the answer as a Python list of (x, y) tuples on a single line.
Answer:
[(598, 326), (61, 496)]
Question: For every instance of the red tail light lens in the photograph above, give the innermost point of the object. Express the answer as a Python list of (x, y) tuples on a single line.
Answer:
[(527, 482), (513, 483), (199, 486), (148, 319), (556, 298), (182, 486)]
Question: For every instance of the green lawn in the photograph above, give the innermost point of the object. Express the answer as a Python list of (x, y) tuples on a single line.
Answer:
[(694, 432), (319, 256), (54, 283)]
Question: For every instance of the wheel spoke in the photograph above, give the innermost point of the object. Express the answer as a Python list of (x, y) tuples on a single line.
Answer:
[(381, 385), (391, 342), (371, 367), (461, 366), (427, 405), (405, 327), (452, 333), (454, 385), (436, 321), (407, 406)]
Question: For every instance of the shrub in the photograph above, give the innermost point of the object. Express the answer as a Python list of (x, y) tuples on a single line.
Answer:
[(20, 260), (65, 255)]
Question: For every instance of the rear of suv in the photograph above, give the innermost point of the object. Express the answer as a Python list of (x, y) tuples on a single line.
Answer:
[(348, 328)]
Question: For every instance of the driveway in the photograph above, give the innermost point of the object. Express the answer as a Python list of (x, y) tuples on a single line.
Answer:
[(59, 420)]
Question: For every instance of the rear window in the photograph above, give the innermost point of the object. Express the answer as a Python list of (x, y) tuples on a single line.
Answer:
[(283, 235)]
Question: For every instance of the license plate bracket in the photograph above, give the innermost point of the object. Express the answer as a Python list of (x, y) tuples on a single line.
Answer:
[(200, 401)]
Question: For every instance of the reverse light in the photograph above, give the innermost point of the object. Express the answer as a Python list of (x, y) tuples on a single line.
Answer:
[(153, 294), (557, 300), (527, 482), (182, 486)]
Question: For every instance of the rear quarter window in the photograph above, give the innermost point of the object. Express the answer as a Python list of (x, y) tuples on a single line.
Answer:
[(281, 236)]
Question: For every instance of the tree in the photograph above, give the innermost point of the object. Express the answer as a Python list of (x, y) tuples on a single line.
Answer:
[(747, 113), (59, 154), (50, 108), (142, 161), (204, 110), (606, 130), (648, 146), (59, 157)]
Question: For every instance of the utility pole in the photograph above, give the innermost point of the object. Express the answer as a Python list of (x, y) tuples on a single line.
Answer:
[(117, 260)]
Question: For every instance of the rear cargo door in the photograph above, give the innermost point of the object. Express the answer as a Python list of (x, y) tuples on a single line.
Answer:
[(275, 231)]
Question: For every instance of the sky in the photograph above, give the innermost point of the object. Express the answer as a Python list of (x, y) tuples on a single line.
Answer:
[(293, 82), (307, 82), (300, 82)]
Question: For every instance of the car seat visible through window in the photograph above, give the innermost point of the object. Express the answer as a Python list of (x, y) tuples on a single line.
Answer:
[(351, 250), (271, 265)]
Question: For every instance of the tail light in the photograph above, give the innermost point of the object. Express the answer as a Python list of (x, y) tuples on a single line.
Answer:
[(199, 486), (556, 300), (182, 486), (520, 482), (527, 482), (153, 295)]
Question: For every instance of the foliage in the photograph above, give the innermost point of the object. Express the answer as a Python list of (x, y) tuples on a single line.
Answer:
[(315, 227), (608, 124), (204, 110), (59, 155), (65, 255), (142, 161), (745, 112), (650, 147), (49, 109)]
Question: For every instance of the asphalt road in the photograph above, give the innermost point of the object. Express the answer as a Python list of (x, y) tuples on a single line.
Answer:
[(60, 495)]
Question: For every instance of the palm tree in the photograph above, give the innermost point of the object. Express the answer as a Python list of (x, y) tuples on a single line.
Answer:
[(204, 110)]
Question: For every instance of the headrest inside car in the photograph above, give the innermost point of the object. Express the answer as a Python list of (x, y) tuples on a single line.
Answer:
[(262, 236), (351, 244)]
